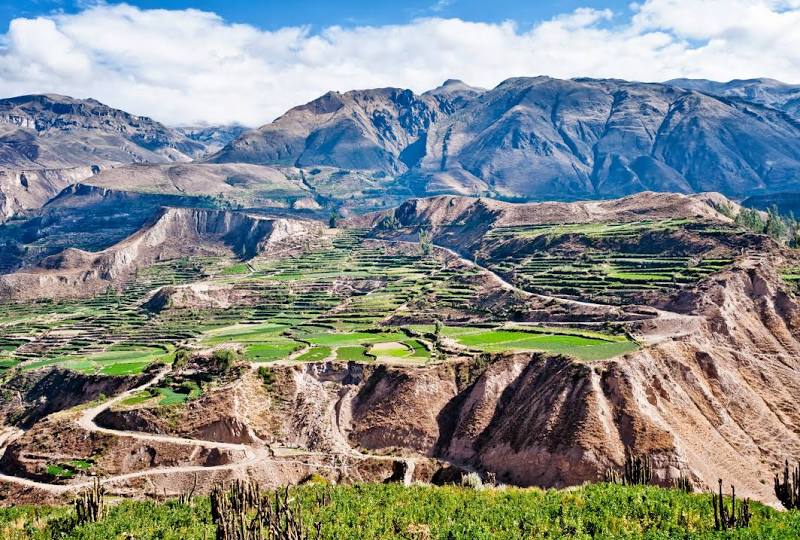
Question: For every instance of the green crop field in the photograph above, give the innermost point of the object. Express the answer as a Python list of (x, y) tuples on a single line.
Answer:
[(273, 350), (315, 354), (612, 268), (584, 348), (391, 511), (353, 353)]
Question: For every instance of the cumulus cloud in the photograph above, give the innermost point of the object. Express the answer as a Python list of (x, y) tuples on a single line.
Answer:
[(189, 66)]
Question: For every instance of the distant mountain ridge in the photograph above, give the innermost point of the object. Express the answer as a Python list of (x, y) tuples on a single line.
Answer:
[(542, 138), (48, 142), (381, 129), (529, 138), (51, 131), (775, 94)]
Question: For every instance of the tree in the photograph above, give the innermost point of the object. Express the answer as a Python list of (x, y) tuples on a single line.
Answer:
[(425, 242), (389, 223), (334, 219), (750, 219), (776, 227)]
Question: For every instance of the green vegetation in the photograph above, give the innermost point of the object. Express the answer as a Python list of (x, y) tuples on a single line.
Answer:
[(599, 229), (792, 277), (270, 351), (235, 270), (60, 471), (315, 354), (783, 229), (338, 299), (355, 354), (224, 359), (172, 396), (391, 511), (580, 346), (266, 375), (618, 263)]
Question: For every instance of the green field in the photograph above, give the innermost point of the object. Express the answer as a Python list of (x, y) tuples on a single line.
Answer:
[(383, 512), (354, 353), (614, 266), (581, 344), (584, 348), (315, 354), (117, 360)]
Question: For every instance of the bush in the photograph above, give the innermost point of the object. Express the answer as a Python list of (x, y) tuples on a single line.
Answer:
[(472, 481), (182, 357), (224, 359), (267, 376)]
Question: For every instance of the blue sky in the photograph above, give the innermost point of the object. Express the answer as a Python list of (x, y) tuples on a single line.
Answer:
[(272, 14), (203, 61)]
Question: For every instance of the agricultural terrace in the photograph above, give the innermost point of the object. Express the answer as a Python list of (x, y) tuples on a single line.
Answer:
[(335, 302), (581, 344), (790, 275), (614, 267)]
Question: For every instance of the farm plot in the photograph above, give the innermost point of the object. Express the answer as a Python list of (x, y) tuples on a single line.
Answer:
[(117, 360), (792, 277), (584, 346), (605, 274)]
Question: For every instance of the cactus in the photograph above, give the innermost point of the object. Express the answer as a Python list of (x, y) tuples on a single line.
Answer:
[(788, 490), (723, 519), (683, 483), (243, 513), (188, 498), (89, 505), (637, 470)]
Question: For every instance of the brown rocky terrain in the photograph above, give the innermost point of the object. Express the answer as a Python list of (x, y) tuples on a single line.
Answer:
[(174, 234), (48, 142)]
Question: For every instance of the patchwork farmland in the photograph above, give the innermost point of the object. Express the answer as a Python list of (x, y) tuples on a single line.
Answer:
[(347, 300)]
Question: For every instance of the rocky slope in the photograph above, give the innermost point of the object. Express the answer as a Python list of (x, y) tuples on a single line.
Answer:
[(459, 222), (775, 94), (551, 138), (383, 129), (714, 404), (539, 138), (53, 141), (213, 138), (24, 189), (717, 402), (51, 131), (177, 232)]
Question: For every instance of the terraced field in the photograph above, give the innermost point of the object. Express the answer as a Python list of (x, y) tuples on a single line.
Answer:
[(791, 275), (584, 345), (605, 271), (335, 302)]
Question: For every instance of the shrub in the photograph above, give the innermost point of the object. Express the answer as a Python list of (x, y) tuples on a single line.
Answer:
[(267, 376), (182, 357), (224, 359), (472, 481)]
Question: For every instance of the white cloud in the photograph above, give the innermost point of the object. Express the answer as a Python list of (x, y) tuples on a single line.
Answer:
[(185, 66)]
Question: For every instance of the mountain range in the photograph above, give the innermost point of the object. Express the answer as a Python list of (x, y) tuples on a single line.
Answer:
[(526, 139), (545, 138)]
